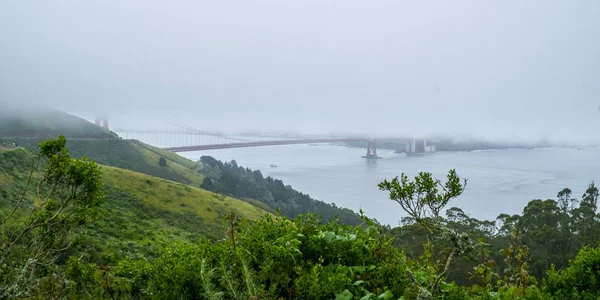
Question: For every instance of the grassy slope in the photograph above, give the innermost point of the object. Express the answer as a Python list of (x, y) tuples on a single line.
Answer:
[(130, 155), (145, 213), (174, 197), (142, 213), (139, 157)]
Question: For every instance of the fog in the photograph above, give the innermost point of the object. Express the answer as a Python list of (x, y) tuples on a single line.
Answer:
[(506, 70)]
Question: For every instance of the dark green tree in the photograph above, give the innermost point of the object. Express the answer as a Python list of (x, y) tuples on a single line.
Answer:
[(162, 161), (539, 228), (584, 216)]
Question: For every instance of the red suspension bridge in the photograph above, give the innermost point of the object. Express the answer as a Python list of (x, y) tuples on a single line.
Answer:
[(181, 138)]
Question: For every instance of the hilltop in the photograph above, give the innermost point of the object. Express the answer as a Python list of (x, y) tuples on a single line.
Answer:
[(29, 122), (28, 126)]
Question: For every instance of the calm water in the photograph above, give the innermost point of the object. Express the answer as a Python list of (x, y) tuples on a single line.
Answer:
[(501, 181)]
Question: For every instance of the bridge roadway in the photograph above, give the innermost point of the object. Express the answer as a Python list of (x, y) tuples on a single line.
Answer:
[(261, 143)]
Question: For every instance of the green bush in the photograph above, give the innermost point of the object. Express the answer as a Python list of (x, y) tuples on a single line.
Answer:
[(580, 280), (271, 258)]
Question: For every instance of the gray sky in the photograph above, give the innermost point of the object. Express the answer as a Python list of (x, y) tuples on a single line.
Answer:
[(496, 69)]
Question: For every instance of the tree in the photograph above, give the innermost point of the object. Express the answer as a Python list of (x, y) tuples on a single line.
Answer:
[(423, 199), (579, 280), (66, 197), (567, 205), (162, 161), (585, 217)]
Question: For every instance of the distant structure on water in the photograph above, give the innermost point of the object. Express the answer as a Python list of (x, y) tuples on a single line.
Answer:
[(418, 146)]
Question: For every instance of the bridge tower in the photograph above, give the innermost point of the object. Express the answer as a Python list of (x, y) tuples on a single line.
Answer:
[(102, 121), (371, 150)]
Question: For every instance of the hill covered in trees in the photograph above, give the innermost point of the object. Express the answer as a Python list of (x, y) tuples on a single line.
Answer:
[(236, 181)]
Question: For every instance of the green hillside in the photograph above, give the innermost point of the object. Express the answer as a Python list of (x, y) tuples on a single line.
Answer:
[(142, 213), (137, 156), (237, 182), (127, 154)]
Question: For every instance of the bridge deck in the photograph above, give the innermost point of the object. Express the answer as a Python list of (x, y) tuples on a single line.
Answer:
[(260, 144)]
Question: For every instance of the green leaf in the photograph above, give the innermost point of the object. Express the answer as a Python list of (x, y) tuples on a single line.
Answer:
[(329, 236), (345, 295), (358, 269), (386, 295), (357, 283), (371, 230), (531, 291), (421, 276), (367, 296), (477, 288), (445, 286)]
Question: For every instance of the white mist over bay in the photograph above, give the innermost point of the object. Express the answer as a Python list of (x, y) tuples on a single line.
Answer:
[(500, 70)]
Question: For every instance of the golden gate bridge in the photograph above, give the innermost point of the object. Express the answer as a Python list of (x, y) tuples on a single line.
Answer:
[(182, 138)]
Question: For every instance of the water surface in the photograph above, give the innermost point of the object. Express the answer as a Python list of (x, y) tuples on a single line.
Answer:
[(499, 181)]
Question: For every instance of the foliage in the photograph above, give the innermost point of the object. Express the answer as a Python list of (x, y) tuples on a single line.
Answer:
[(243, 183), (67, 197), (423, 200), (580, 280), (271, 258)]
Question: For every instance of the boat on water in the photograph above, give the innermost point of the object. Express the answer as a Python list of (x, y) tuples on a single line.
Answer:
[(273, 166)]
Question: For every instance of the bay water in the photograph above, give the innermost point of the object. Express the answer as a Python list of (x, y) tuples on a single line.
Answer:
[(499, 181)]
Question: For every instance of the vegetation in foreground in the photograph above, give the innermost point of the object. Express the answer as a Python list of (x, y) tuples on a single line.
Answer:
[(44, 246)]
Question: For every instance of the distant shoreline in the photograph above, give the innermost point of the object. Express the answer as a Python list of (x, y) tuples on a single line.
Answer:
[(467, 147)]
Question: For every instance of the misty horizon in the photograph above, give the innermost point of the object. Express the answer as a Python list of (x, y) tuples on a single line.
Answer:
[(507, 71)]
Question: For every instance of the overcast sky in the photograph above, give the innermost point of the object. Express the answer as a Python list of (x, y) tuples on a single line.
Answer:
[(496, 69)]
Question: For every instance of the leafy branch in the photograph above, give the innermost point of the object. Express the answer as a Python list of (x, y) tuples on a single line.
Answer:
[(423, 199)]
